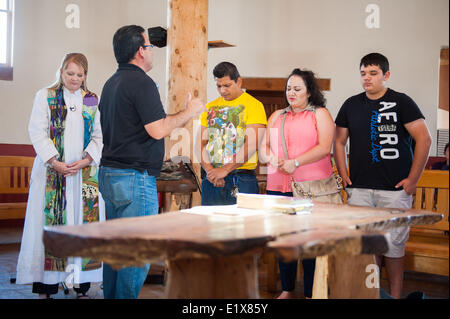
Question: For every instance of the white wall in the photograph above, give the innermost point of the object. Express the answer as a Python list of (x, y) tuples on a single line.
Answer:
[(329, 37), (272, 37)]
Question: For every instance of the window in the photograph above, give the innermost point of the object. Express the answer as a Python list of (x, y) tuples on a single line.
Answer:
[(6, 39), (442, 115)]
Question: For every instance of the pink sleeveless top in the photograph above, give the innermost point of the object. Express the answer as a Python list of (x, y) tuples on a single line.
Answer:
[(300, 133)]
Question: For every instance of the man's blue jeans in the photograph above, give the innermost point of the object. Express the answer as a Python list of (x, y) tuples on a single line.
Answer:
[(127, 193), (246, 183)]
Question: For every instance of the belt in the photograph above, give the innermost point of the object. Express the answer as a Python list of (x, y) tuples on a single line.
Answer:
[(244, 172)]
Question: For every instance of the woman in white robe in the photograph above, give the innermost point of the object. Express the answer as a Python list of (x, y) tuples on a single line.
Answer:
[(30, 267)]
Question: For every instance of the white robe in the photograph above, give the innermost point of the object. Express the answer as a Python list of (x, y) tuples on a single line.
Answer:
[(30, 266)]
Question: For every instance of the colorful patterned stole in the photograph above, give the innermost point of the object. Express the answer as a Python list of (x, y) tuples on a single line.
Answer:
[(55, 189)]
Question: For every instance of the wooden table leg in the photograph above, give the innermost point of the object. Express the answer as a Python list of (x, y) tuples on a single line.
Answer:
[(167, 202), (176, 201), (180, 201), (225, 277), (271, 262), (346, 276)]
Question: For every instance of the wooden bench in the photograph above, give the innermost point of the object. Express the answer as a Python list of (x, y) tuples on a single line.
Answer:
[(428, 246), (15, 172)]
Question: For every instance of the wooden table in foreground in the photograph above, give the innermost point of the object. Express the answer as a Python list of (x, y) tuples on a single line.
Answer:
[(215, 255)]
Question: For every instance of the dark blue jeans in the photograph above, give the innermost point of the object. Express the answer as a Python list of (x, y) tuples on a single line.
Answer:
[(246, 182), (288, 271), (127, 193)]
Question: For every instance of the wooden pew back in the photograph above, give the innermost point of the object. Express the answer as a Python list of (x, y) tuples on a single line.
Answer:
[(432, 195), (428, 247), (15, 173)]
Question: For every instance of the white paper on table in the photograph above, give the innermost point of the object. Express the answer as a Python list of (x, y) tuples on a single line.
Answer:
[(233, 210), (230, 210)]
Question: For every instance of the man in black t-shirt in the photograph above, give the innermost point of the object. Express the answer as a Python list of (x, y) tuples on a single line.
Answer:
[(133, 125), (384, 169)]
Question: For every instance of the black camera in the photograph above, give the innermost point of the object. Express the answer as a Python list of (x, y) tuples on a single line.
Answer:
[(158, 36)]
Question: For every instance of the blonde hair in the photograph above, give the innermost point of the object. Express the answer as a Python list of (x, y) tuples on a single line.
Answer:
[(77, 58)]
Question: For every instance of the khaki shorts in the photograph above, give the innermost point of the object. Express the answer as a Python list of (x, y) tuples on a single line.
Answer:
[(396, 237)]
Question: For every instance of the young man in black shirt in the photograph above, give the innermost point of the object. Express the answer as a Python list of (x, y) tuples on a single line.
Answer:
[(384, 169), (133, 125)]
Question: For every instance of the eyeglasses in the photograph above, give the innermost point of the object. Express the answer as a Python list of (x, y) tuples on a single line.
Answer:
[(148, 45)]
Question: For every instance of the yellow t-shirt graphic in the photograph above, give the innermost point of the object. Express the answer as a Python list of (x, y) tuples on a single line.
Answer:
[(226, 122)]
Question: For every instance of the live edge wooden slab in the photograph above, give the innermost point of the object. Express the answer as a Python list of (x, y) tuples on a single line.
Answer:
[(214, 255)]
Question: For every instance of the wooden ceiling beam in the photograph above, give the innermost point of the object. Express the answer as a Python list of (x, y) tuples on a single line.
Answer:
[(276, 84)]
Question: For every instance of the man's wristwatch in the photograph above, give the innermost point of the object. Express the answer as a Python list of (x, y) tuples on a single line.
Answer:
[(296, 163)]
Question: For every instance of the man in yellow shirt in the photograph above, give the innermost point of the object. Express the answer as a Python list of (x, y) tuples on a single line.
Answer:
[(231, 130)]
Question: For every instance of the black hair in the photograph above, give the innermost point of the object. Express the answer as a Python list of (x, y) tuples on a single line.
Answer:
[(316, 97), (226, 69), (375, 59), (446, 146), (127, 41)]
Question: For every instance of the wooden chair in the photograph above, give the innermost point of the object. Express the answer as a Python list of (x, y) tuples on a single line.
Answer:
[(427, 249), (15, 172)]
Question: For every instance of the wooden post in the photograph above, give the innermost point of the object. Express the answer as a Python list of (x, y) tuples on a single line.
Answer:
[(200, 278), (343, 276), (187, 40)]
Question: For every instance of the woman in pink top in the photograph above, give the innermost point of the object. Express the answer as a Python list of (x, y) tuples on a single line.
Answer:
[(308, 132)]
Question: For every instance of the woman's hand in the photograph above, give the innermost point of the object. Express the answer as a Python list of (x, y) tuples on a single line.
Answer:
[(346, 180), (76, 166), (276, 161), (288, 167), (62, 168)]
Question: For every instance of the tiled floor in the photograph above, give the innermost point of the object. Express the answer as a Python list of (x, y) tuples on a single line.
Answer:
[(433, 286)]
